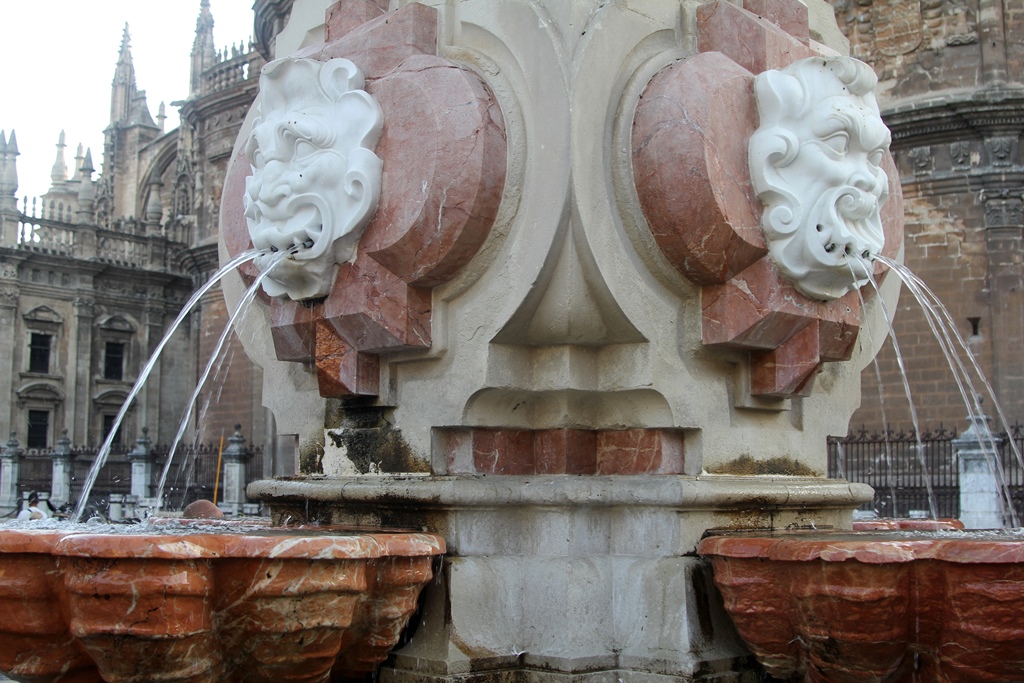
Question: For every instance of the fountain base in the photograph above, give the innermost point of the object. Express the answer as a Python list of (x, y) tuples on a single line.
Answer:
[(562, 578)]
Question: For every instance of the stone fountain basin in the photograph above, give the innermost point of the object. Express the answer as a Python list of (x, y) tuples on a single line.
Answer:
[(205, 603), (880, 606)]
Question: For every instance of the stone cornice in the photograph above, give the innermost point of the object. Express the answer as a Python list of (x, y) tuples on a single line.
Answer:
[(949, 115)]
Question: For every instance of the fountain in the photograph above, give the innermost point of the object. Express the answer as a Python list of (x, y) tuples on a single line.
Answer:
[(566, 286)]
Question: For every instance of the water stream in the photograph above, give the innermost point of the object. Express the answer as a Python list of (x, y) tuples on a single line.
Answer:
[(215, 358), (887, 452), (940, 321), (910, 400), (108, 442)]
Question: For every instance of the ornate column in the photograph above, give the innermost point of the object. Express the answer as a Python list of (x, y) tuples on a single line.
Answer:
[(10, 464), (235, 459), (63, 462)]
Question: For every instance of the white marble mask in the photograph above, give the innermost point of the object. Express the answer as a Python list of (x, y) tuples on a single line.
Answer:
[(815, 165), (316, 180)]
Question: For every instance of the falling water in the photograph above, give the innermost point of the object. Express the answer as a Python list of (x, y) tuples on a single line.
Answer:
[(104, 451), (215, 357), (941, 323), (187, 479), (887, 453), (906, 387)]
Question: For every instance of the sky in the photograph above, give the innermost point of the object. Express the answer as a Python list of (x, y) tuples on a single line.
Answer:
[(59, 62)]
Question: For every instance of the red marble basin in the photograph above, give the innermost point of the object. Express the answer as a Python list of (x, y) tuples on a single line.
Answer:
[(224, 604), (882, 606)]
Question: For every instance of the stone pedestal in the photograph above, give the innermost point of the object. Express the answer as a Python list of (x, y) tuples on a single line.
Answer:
[(981, 506), (10, 464), (142, 460), (62, 462), (589, 578), (235, 458)]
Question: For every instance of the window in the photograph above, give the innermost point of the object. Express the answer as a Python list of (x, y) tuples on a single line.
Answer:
[(108, 424), (113, 360), (39, 353), (38, 428)]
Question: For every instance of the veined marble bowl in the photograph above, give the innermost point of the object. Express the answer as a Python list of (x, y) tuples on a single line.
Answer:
[(205, 602), (883, 606)]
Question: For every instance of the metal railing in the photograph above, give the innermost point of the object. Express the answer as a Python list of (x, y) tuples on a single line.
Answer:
[(899, 466), (191, 476)]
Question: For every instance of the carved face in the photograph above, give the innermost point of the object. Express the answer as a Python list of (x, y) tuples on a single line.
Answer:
[(315, 181), (815, 164)]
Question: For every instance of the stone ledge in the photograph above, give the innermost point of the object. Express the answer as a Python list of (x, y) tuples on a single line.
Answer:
[(679, 492)]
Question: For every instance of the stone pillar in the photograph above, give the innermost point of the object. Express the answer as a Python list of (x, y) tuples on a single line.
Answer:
[(980, 506), (153, 334), (9, 327), (10, 464), (1004, 219), (142, 466), (992, 39), (80, 379), (235, 457), (63, 462)]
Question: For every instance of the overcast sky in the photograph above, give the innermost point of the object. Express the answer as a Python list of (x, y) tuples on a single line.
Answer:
[(59, 58)]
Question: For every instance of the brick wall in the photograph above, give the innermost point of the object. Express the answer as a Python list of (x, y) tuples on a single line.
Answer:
[(959, 157), (233, 397)]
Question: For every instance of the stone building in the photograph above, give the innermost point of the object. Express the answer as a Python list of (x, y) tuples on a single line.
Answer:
[(93, 273), (951, 78)]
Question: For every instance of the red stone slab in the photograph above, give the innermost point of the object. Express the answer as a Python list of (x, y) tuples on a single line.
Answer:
[(690, 164), (568, 451), (755, 43)]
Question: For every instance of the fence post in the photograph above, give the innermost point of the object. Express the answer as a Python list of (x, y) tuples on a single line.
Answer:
[(141, 458), (10, 464), (60, 486), (980, 506), (235, 459)]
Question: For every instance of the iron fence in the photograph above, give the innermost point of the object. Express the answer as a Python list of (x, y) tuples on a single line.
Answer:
[(900, 466), (191, 476)]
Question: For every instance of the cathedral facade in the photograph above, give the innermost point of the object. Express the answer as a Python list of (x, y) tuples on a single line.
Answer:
[(93, 274)]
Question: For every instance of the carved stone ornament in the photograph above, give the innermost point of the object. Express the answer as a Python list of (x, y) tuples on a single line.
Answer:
[(315, 178), (815, 163)]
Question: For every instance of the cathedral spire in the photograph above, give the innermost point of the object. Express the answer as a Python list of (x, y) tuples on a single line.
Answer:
[(59, 172), (204, 55), (9, 177), (79, 160), (123, 86)]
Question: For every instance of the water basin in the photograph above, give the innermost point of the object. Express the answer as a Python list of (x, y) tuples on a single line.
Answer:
[(885, 606), (205, 602)]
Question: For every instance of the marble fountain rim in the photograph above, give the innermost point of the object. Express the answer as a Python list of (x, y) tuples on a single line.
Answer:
[(212, 541), (877, 546)]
